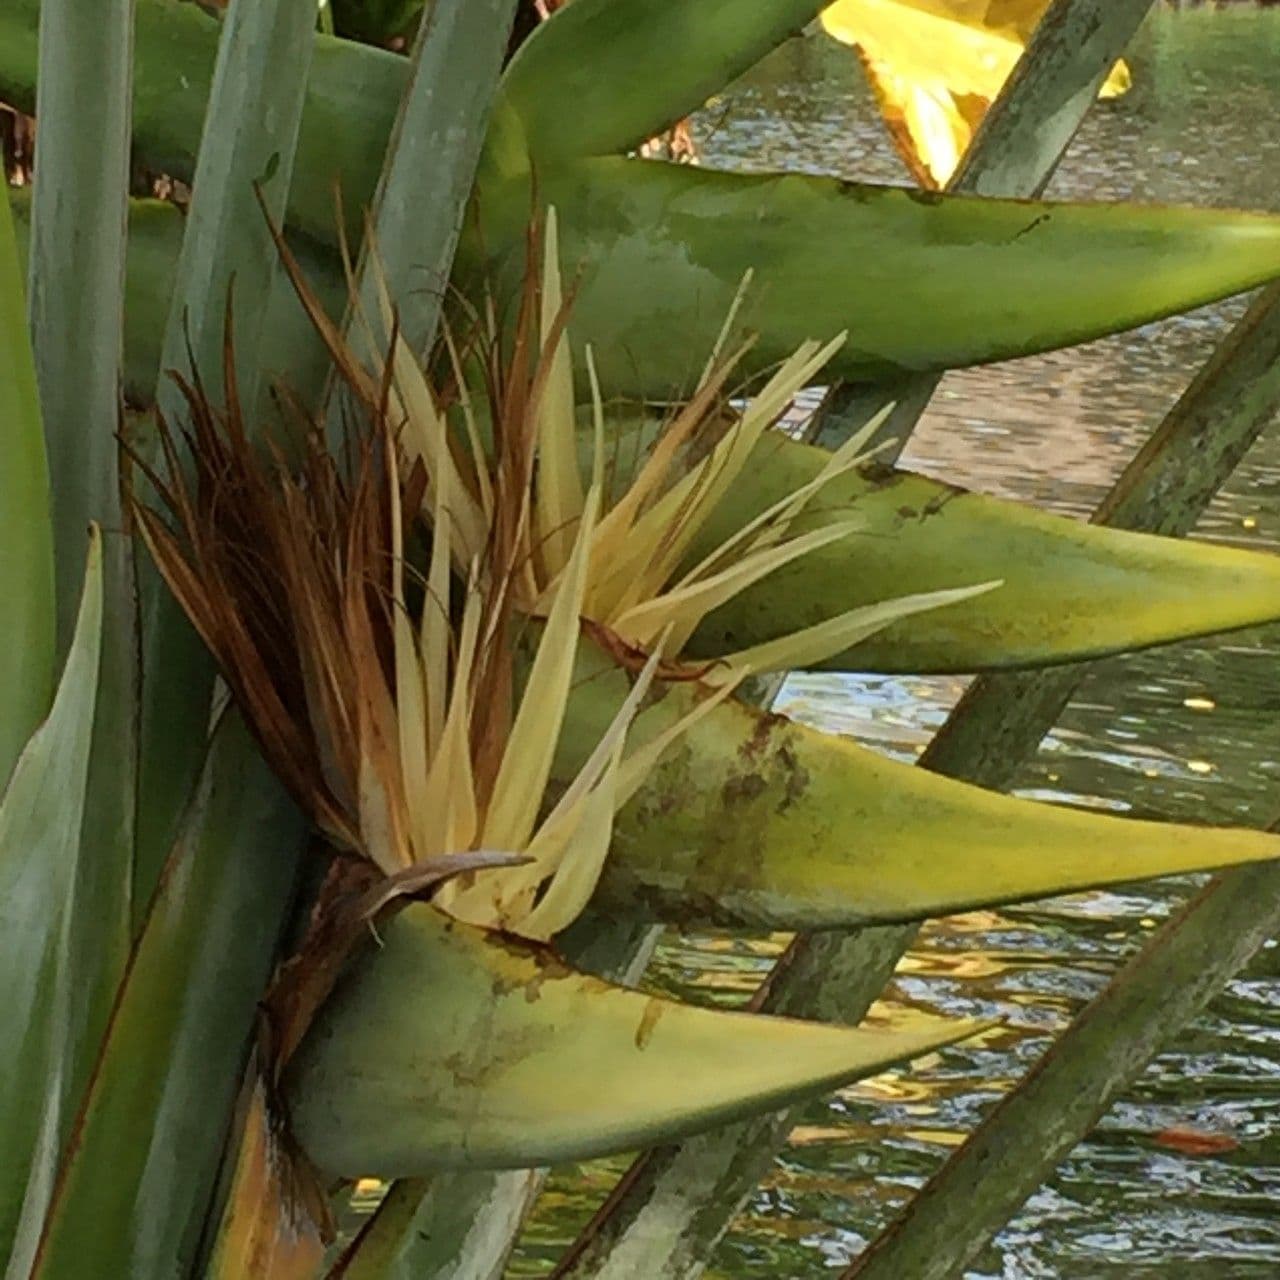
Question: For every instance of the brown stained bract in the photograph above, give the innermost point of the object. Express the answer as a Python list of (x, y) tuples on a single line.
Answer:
[(797, 779), (760, 743), (276, 1220), (551, 968), (335, 934), (766, 771), (743, 789), (653, 1011), (633, 658)]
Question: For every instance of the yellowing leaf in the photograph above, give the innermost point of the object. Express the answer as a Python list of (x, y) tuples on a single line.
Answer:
[(683, 607), (574, 880), (559, 495), (526, 762), (271, 1222), (937, 65), (411, 690), (530, 1063), (802, 649), (449, 793)]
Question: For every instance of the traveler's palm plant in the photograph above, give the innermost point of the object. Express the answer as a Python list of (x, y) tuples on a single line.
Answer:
[(492, 676)]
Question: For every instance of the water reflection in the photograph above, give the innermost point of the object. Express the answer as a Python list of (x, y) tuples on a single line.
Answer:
[(1189, 732)]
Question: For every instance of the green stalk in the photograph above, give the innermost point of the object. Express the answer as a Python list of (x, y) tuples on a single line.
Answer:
[(432, 156), (166, 1063), (998, 724), (76, 269), (247, 146), (459, 1225), (26, 529), (76, 274), (1025, 134), (673, 58), (1182, 967), (227, 268), (352, 96), (135, 1186), (289, 349)]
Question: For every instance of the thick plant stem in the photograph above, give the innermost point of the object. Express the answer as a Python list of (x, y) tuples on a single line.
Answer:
[(225, 273), (420, 201), (75, 301), (1158, 992), (458, 1226), (26, 522), (1024, 136)]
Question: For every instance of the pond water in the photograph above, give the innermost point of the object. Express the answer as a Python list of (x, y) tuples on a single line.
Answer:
[(1189, 732)]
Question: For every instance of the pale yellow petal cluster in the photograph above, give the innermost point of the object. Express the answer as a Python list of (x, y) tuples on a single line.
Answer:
[(515, 520)]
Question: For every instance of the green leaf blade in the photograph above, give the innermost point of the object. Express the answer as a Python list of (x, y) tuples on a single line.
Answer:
[(76, 272), (26, 531), (663, 248), (905, 272), (76, 269), (40, 819), (134, 1190), (753, 821), (226, 272), (672, 58), (450, 1048), (1070, 590)]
